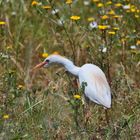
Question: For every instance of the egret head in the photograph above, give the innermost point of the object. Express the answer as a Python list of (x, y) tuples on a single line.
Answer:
[(54, 58)]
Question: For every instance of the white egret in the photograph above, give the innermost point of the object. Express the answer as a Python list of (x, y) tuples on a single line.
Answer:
[(97, 88)]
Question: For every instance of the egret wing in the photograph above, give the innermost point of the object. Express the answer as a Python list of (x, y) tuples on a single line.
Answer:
[(97, 88)]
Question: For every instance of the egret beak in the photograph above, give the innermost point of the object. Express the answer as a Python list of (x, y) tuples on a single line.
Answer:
[(39, 65)]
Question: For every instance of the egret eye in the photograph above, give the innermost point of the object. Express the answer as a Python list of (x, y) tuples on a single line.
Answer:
[(47, 61)]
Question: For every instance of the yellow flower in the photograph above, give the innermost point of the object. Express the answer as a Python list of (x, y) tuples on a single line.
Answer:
[(20, 87), (111, 33), (2, 23), (111, 12), (132, 6), (118, 5), (9, 47), (109, 2), (6, 116), (116, 28), (34, 3), (45, 55), (133, 10), (46, 7), (90, 19), (138, 11), (103, 27), (134, 31), (137, 16), (69, 2), (55, 52), (138, 42), (75, 17), (77, 96), (117, 16), (124, 22), (128, 11), (95, 0), (100, 5), (123, 40), (104, 17)]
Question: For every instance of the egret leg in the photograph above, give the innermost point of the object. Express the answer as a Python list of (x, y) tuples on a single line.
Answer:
[(87, 112), (106, 116)]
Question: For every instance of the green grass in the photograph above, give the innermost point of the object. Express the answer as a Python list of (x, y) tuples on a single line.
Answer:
[(40, 105)]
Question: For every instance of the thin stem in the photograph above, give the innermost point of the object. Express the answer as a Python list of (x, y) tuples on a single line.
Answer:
[(72, 44)]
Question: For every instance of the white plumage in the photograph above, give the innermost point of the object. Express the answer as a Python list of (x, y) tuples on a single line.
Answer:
[(97, 88)]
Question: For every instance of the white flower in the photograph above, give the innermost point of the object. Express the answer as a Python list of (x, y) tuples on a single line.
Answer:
[(55, 11), (40, 3), (133, 47), (93, 25), (4, 55), (86, 2), (126, 7), (13, 13), (103, 49), (60, 22)]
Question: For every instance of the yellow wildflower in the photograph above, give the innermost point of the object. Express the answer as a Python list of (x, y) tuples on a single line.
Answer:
[(90, 19), (118, 5), (6, 116), (137, 16), (116, 28), (132, 6), (123, 40), (138, 11), (45, 55), (109, 2), (77, 96), (124, 22), (9, 47), (34, 3), (134, 31), (95, 0), (104, 17), (69, 2), (75, 17), (103, 27), (46, 7), (2, 23), (55, 52), (111, 12), (20, 86), (133, 10), (100, 5), (111, 33), (138, 42), (116, 16), (128, 11)]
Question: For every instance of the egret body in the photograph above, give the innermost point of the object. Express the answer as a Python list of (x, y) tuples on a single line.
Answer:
[(97, 88)]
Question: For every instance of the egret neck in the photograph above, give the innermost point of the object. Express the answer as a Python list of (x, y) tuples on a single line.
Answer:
[(68, 65)]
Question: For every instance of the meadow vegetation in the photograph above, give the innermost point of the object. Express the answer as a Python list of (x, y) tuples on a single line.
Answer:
[(46, 104)]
